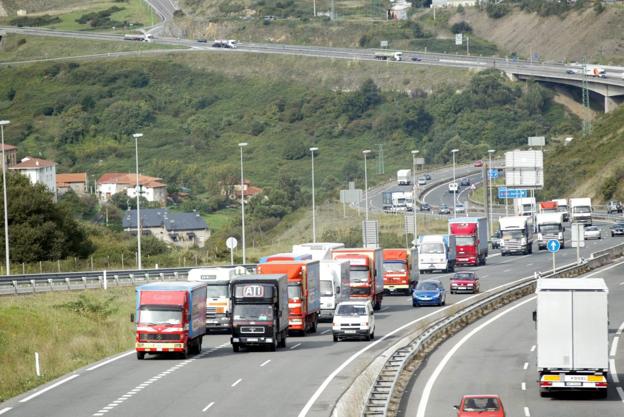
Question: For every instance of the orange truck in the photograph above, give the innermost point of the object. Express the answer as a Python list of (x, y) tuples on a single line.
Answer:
[(304, 293), (549, 207), (400, 270), (366, 270)]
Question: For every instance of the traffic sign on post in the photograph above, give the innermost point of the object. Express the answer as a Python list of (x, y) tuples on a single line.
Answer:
[(553, 246), (506, 193), (231, 243), (493, 173)]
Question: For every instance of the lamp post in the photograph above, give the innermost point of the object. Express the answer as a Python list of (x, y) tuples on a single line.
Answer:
[(312, 150), (414, 153), (490, 152), (454, 151), (366, 152), (136, 137), (241, 146), (5, 202)]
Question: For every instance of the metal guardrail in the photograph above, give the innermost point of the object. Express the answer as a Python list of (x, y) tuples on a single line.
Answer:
[(67, 281), (387, 389)]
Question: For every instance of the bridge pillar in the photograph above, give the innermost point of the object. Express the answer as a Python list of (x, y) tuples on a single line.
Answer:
[(610, 104)]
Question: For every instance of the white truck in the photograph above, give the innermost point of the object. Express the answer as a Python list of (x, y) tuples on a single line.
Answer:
[(402, 201), (389, 56), (319, 251), (141, 37), (581, 209), (335, 278), (517, 235), (572, 335), (404, 176), (436, 253), (549, 226), (562, 206), (525, 206)]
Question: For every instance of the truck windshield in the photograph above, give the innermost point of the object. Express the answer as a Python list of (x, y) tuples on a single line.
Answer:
[(359, 274), (253, 312), (562, 208), (582, 209), (434, 248), (549, 228), (464, 241), (512, 234), (294, 291), (327, 289), (394, 267), (160, 315), (527, 207), (218, 291)]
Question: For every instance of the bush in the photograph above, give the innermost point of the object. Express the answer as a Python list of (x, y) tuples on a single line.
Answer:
[(35, 20), (461, 27), (496, 11)]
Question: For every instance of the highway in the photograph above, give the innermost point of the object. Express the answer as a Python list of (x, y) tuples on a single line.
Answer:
[(497, 355), (306, 378)]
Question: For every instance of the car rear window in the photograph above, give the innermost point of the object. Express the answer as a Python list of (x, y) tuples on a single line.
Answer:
[(481, 404), (464, 275)]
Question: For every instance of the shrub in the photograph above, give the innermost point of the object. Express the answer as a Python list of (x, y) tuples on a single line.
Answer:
[(461, 27)]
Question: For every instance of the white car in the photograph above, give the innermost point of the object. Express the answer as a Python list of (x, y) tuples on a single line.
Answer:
[(592, 232), (453, 187), (422, 181), (354, 320)]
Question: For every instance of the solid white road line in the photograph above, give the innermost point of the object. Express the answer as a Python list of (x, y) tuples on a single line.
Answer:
[(533, 348), (531, 264), (613, 371), (237, 382), (4, 410), (620, 392), (614, 344), (424, 399), (123, 355), (526, 366), (295, 346), (326, 331), (523, 386), (38, 393), (621, 283), (507, 270), (265, 362), (207, 407), (600, 271), (527, 413)]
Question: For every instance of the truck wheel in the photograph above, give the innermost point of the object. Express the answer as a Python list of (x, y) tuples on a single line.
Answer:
[(273, 346), (282, 342), (336, 338), (235, 347), (314, 324), (544, 393), (140, 355), (185, 353), (373, 335)]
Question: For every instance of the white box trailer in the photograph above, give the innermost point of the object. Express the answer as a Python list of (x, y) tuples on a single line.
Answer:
[(581, 210), (404, 176), (572, 334), (436, 253), (318, 251), (335, 285)]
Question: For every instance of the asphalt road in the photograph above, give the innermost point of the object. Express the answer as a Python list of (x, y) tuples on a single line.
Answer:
[(499, 357)]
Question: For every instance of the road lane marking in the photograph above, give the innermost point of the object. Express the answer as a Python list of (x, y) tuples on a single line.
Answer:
[(384, 309), (123, 355), (614, 344), (207, 407), (620, 392), (507, 270), (4, 410), (295, 346), (600, 271), (265, 362), (526, 366), (426, 392), (523, 386), (533, 348), (613, 371), (326, 331), (622, 283), (527, 413), (38, 393), (484, 276), (531, 264), (237, 382)]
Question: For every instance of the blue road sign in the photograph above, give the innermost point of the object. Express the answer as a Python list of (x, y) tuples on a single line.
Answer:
[(504, 192), (493, 173), (553, 246)]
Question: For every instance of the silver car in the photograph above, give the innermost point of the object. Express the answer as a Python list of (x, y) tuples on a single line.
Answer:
[(592, 232)]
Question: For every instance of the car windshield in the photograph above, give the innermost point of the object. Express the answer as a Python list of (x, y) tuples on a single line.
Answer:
[(512, 234), (326, 288), (160, 315), (294, 291), (434, 248), (359, 274), (481, 404), (464, 241), (427, 286), (218, 291), (351, 310), (393, 267), (549, 228), (253, 312), (618, 226), (464, 275)]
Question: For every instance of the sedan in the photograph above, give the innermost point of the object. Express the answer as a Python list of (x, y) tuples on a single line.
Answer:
[(592, 232), (480, 405), (415, 58), (425, 207), (422, 181), (496, 239), (478, 164), (429, 292), (570, 71), (444, 209), (464, 281), (617, 229), (427, 177), (202, 40), (465, 182)]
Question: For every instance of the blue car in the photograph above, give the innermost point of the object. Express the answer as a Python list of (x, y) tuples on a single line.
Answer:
[(429, 292)]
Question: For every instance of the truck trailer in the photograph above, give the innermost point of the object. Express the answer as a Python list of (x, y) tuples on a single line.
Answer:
[(549, 226), (525, 206), (259, 311), (471, 239), (366, 273), (572, 335), (389, 56), (334, 286), (404, 176), (400, 269), (436, 253), (318, 251), (581, 210), (517, 235), (170, 317), (562, 207)]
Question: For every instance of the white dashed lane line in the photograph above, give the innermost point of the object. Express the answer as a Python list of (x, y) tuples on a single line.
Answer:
[(265, 363), (526, 366), (533, 348), (326, 331), (523, 386), (237, 382), (207, 407), (527, 413), (295, 346)]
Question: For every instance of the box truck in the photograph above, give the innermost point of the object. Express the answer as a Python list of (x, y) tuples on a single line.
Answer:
[(436, 253), (581, 210), (400, 269), (572, 335), (471, 240), (334, 286), (524, 206), (562, 207), (517, 235), (366, 273), (404, 176), (549, 226), (318, 251)]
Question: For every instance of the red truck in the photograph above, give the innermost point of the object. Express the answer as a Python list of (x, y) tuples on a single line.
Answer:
[(304, 293), (366, 269), (400, 269), (170, 317), (471, 240)]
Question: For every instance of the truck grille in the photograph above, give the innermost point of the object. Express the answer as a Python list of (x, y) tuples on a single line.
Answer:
[(360, 291), (512, 245), (252, 330), (158, 337), (211, 312)]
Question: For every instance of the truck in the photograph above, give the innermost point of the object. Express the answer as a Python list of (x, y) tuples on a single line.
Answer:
[(400, 270), (549, 226), (581, 210), (595, 71), (170, 317), (218, 308), (572, 335), (525, 206), (517, 235), (386, 201), (259, 311), (366, 273), (141, 37), (334, 286), (318, 251), (436, 253), (562, 207), (304, 293), (548, 207), (225, 43), (404, 176), (285, 256), (471, 239), (389, 56)]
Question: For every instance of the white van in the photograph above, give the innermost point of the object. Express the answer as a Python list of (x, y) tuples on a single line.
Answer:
[(354, 320)]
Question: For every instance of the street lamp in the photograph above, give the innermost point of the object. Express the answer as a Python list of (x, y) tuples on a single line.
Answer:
[(136, 137), (366, 152), (241, 146), (4, 196), (454, 151), (414, 153), (312, 150), (490, 152)]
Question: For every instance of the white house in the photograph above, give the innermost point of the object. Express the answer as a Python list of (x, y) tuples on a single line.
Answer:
[(114, 182), (453, 3), (38, 171)]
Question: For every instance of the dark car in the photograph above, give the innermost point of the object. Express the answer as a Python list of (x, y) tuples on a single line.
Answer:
[(425, 207), (465, 182), (217, 45), (444, 209), (202, 40), (415, 58), (617, 229), (496, 239), (427, 177), (570, 71), (465, 281)]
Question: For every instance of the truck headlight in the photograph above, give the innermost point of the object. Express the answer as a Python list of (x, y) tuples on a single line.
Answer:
[(523, 241)]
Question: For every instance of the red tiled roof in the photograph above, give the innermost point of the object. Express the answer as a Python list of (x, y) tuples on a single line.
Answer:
[(130, 179), (71, 178), (33, 163), (7, 147), (250, 191)]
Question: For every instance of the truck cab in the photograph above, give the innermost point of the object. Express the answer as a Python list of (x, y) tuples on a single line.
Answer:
[(549, 226), (471, 240), (366, 273), (581, 210), (398, 270), (517, 235), (436, 253)]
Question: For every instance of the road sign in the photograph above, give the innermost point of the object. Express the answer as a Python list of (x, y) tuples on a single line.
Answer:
[(458, 39), (493, 173), (578, 235), (553, 246), (231, 242), (504, 192), (370, 233), (537, 141)]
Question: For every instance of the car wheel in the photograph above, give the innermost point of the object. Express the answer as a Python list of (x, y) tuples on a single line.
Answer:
[(373, 334), (336, 338), (414, 304)]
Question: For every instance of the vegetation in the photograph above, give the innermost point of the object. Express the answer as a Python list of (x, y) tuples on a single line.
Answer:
[(35, 20)]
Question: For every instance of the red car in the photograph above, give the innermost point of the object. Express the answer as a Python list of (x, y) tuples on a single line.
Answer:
[(480, 405), (465, 281), (478, 164)]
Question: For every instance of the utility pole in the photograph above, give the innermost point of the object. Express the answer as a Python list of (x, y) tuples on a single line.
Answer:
[(585, 89), (380, 161)]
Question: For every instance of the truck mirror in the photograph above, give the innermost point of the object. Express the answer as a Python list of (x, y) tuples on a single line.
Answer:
[(456, 407), (534, 315), (131, 317), (337, 290)]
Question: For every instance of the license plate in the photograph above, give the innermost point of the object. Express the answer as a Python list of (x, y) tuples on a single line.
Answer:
[(252, 339), (574, 384), (212, 321), (349, 331), (461, 288)]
